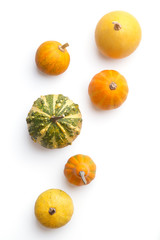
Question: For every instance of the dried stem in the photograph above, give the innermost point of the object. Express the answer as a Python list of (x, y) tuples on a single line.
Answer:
[(54, 119), (52, 211), (62, 48), (113, 86), (117, 26), (82, 175)]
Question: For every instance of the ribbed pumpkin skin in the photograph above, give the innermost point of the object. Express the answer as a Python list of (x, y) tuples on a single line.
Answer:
[(100, 93), (50, 59), (56, 134), (79, 163)]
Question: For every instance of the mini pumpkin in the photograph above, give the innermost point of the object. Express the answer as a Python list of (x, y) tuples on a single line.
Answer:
[(54, 121), (80, 170), (54, 208), (108, 89), (52, 57), (117, 34)]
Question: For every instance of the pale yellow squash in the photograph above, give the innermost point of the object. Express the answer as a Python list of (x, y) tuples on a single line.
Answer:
[(117, 34), (54, 208)]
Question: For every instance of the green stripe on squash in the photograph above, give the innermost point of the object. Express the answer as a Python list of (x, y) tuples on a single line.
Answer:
[(54, 121)]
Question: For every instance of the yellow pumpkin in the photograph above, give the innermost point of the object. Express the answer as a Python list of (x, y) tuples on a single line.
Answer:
[(54, 208), (117, 34)]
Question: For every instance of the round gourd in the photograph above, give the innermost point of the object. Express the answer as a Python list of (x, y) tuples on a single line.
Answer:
[(117, 34), (52, 57), (54, 121), (108, 89), (80, 169), (54, 208)]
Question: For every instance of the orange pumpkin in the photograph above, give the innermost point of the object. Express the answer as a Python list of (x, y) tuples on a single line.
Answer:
[(52, 57), (80, 170), (108, 89)]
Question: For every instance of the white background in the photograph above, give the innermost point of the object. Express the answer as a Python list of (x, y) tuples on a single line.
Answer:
[(123, 202)]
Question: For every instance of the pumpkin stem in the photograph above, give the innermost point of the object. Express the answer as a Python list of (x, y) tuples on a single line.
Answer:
[(117, 26), (62, 48), (82, 175), (54, 119), (113, 86), (52, 211)]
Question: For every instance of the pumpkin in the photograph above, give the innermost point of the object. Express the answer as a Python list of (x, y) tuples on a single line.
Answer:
[(80, 169), (54, 208), (54, 121), (108, 89), (117, 34), (52, 57)]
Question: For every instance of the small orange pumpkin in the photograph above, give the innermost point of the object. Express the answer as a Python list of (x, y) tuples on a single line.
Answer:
[(52, 57), (80, 169), (108, 89)]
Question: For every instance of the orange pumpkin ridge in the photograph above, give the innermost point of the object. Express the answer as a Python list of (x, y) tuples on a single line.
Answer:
[(80, 170)]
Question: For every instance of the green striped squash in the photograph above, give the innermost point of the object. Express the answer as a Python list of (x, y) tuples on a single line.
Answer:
[(54, 121)]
